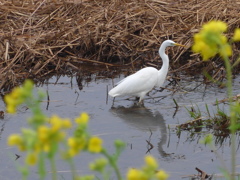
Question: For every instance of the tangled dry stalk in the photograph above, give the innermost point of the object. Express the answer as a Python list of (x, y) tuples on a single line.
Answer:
[(48, 36)]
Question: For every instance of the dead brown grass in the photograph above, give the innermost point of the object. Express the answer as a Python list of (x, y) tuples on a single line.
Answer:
[(42, 37)]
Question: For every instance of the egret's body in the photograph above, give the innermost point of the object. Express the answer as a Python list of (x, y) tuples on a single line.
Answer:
[(144, 80)]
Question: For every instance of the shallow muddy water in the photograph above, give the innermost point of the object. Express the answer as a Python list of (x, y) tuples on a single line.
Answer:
[(154, 122)]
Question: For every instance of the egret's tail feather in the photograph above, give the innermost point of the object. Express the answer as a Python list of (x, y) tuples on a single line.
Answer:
[(112, 93)]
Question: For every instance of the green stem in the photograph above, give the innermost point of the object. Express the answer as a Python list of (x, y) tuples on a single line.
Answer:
[(73, 170), (53, 169), (113, 164), (41, 166), (232, 116), (25, 172)]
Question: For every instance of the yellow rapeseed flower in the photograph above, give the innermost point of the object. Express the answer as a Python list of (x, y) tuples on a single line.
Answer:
[(72, 152), (66, 123), (210, 40), (72, 142), (46, 147), (49, 135), (133, 174), (205, 50), (59, 123), (162, 175), (37, 147), (31, 159), (56, 123), (208, 52), (81, 142), (226, 50), (98, 164), (14, 139), (28, 85), (215, 26), (11, 109), (43, 133), (82, 119), (45, 137), (75, 145), (199, 44), (8, 99), (13, 100), (223, 39), (17, 96), (151, 162), (59, 136), (22, 147), (95, 144), (236, 36)]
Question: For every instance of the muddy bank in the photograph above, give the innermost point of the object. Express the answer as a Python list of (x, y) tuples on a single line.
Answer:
[(39, 38)]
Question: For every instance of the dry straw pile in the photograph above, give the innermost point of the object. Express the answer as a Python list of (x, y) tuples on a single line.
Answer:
[(48, 36)]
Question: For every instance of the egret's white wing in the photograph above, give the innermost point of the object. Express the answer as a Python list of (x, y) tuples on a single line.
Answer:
[(142, 81)]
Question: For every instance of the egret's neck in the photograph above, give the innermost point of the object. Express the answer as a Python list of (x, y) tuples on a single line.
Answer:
[(162, 73), (165, 60)]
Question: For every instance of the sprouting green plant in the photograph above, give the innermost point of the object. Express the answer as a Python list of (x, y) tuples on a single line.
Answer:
[(46, 137), (207, 109), (194, 113), (209, 42)]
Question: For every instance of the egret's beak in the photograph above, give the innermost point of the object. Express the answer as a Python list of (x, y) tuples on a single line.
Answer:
[(176, 44)]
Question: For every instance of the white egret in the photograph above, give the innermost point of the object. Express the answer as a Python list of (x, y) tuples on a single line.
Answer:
[(144, 80)]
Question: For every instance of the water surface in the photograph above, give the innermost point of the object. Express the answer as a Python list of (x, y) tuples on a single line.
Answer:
[(138, 126)]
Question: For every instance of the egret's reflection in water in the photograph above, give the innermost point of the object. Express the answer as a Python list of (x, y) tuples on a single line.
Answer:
[(144, 119)]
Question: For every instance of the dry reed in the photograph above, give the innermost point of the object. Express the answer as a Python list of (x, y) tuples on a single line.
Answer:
[(49, 36)]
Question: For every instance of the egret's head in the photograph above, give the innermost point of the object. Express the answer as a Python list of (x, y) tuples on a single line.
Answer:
[(172, 43)]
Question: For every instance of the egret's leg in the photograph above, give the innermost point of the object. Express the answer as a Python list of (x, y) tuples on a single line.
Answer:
[(140, 100), (137, 98), (113, 101), (142, 97)]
